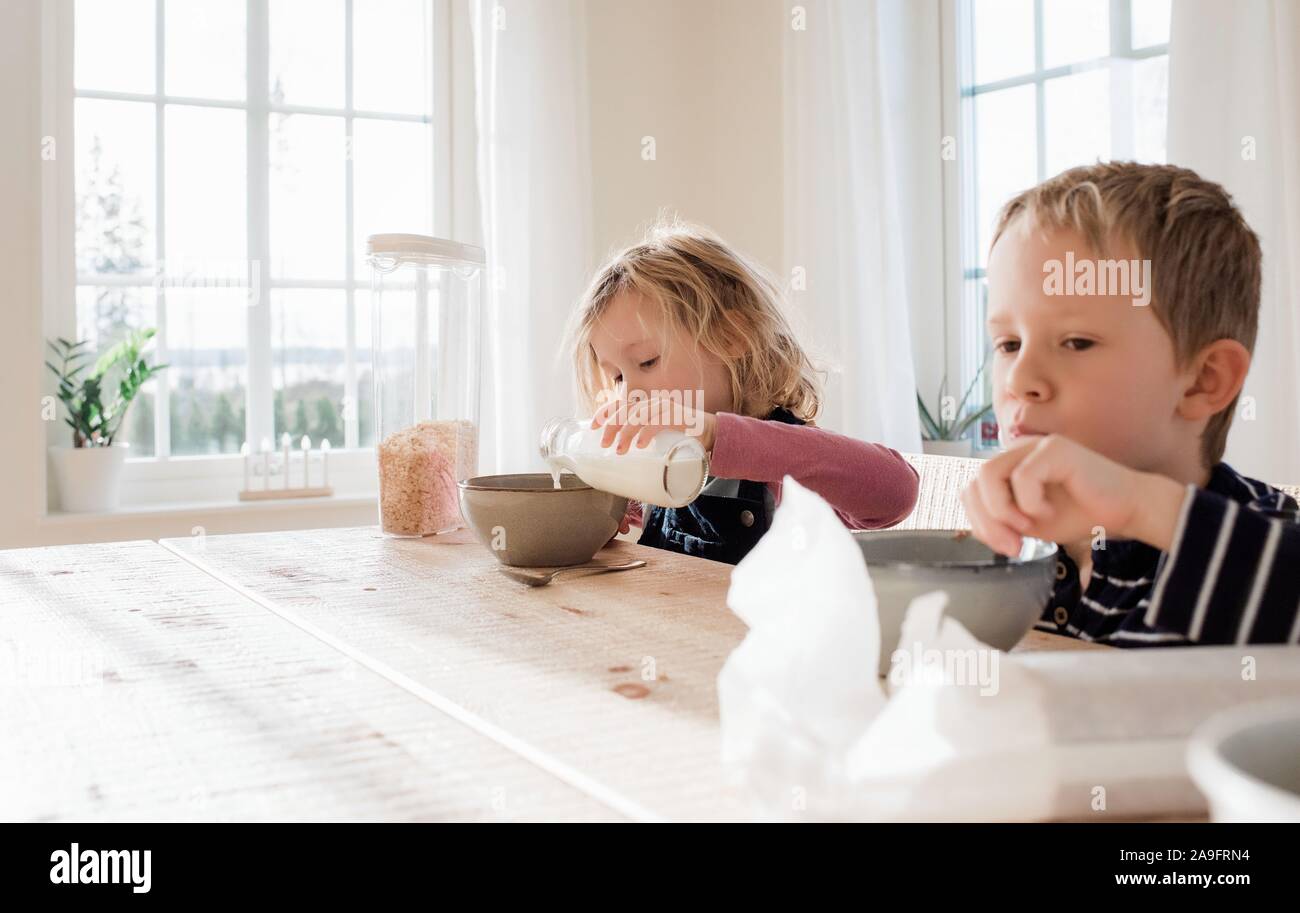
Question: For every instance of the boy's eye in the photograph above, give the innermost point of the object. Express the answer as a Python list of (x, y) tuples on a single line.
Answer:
[(1007, 346), (1078, 344)]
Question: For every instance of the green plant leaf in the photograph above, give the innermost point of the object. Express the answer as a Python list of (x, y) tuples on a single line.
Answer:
[(974, 380), (94, 422), (970, 420), (927, 421)]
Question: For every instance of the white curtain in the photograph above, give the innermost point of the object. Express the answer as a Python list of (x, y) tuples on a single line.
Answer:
[(1234, 117), (534, 186), (844, 193)]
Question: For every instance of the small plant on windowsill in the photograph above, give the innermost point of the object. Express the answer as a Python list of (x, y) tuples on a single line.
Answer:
[(89, 472), (944, 431)]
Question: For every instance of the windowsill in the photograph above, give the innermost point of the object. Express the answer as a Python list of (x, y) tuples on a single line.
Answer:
[(225, 506), (211, 484)]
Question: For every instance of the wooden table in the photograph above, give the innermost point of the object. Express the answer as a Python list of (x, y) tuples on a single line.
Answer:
[(340, 674), (138, 687)]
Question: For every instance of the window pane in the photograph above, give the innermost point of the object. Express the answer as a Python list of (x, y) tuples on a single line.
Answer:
[(307, 194), (1150, 96), (115, 186), (307, 52), (206, 48), (114, 46), (976, 303), (392, 174), (137, 429), (1006, 154), (392, 66), (1004, 38), (1075, 30), (205, 169), (104, 316), (207, 344), (1150, 22), (309, 345), (1077, 110)]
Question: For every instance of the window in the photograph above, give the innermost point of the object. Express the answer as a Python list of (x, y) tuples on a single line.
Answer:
[(230, 160), (1042, 86)]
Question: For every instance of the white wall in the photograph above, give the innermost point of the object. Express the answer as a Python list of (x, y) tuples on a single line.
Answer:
[(703, 77), (22, 479)]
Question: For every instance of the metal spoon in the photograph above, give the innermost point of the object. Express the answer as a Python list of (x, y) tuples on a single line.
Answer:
[(541, 578)]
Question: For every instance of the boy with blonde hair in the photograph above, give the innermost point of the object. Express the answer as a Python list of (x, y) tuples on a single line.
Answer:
[(1123, 306)]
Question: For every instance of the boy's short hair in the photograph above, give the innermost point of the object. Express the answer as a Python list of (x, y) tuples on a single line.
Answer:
[(1205, 259)]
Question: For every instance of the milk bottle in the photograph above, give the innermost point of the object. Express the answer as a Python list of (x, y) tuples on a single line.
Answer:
[(669, 472)]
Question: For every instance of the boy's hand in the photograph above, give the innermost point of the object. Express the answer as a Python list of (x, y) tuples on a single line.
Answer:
[(629, 423), (1055, 489)]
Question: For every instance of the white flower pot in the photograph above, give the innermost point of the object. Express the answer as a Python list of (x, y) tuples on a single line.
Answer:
[(960, 448), (89, 478)]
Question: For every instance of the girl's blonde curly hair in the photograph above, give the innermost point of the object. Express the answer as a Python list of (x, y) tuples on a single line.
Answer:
[(729, 306)]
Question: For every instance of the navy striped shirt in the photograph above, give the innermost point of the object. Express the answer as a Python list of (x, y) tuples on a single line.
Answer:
[(1231, 575)]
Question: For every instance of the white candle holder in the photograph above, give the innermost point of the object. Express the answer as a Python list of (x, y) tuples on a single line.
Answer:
[(284, 469)]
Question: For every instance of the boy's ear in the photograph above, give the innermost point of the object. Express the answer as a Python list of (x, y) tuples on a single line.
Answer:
[(1219, 373)]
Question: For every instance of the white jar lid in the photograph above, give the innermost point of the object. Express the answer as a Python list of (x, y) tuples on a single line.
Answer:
[(403, 248)]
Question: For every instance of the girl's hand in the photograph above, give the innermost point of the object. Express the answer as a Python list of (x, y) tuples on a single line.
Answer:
[(624, 525), (638, 422)]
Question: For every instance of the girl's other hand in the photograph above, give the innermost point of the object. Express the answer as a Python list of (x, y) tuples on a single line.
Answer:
[(624, 525)]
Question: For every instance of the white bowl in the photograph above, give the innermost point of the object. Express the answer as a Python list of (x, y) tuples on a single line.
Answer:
[(1247, 762)]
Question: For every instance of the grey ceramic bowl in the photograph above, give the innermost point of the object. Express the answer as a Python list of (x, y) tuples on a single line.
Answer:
[(996, 598), (526, 522), (1247, 762)]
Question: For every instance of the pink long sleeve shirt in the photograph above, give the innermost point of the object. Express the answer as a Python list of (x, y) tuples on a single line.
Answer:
[(869, 485)]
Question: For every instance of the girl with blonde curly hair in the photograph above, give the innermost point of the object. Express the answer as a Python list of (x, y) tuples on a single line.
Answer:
[(683, 317)]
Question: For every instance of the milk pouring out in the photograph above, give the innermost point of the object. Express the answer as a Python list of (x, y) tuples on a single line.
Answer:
[(669, 472)]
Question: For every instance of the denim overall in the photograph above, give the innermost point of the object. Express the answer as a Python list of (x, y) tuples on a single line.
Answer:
[(717, 527)]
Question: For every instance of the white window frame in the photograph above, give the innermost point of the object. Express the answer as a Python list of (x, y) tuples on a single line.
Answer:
[(165, 478), (966, 337)]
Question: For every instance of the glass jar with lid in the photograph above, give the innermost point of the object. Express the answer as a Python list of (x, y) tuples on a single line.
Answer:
[(427, 326)]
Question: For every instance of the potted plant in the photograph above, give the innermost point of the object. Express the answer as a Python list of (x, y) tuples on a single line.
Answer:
[(89, 472), (945, 435)]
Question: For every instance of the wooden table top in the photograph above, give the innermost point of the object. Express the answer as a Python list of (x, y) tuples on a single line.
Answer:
[(140, 688), (341, 674), (612, 677)]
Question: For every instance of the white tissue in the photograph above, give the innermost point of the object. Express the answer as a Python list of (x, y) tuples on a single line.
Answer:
[(809, 730)]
